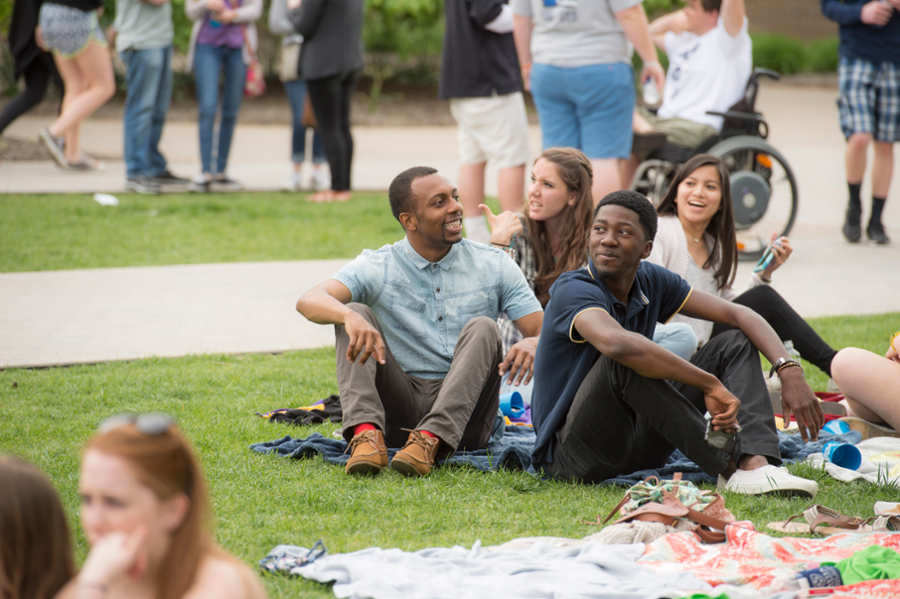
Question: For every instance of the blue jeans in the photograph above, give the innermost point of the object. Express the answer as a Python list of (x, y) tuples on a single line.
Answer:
[(296, 92), (210, 64), (149, 80), (677, 337), (588, 108)]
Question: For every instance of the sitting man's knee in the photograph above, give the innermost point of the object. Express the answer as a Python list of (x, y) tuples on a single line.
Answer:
[(483, 325)]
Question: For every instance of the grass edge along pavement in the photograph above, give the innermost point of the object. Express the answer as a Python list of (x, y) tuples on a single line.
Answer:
[(262, 501)]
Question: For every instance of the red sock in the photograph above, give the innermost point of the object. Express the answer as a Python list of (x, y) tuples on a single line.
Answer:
[(361, 428), (432, 435)]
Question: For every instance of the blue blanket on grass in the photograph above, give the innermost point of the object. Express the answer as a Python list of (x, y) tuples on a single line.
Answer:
[(513, 450)]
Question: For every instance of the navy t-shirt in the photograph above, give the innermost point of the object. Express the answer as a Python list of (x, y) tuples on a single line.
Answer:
[(564, 358)]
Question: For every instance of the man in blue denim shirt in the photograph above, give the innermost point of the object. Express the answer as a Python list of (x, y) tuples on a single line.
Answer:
[(426, 309)]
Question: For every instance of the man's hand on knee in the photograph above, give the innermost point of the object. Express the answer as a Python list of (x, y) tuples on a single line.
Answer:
[(723, 406), (519, 362), (365, 340), (798, 398)]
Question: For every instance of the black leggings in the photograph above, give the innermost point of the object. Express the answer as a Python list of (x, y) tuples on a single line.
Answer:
[(766, 302), (37, 77), (330, 99)]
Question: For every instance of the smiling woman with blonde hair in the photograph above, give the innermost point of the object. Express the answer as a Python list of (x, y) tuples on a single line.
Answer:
[(145, 513)]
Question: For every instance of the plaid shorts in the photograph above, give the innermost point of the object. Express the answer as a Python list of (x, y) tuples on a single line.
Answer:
[(869, 100)]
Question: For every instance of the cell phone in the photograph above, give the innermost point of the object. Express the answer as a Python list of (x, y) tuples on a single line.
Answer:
[(767, 257), (718, 439)]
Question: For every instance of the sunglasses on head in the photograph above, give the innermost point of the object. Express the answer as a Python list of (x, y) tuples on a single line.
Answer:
[(153, 423)]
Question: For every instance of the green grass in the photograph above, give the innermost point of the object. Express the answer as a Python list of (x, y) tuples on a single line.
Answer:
[(72, 231), (262, 501)]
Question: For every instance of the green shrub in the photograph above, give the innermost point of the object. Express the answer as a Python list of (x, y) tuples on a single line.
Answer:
[(779, 53), (822, 56)]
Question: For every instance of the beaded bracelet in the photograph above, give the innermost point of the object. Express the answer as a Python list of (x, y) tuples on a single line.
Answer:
[(788, 364), (101, 588)]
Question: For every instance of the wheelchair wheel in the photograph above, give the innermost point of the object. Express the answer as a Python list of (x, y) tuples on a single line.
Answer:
[(763, 192)]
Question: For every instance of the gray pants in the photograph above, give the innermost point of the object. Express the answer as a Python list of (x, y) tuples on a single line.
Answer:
[(621, 422), (460, 408)]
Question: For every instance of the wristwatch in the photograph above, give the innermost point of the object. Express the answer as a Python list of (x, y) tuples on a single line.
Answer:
[(781, 363)]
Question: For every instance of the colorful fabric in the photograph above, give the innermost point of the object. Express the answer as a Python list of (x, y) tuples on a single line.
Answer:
[(766, 563)]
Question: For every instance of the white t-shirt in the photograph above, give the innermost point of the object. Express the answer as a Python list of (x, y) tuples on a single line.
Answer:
[(706, 72)]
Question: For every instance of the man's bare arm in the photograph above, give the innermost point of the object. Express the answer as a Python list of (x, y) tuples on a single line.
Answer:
[(326, 304), (519, 362), (796, 395), (634, 22), (673, 21), (654, 361), (522, 28), (732, 15)]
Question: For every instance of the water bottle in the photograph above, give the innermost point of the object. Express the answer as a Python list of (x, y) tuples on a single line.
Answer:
[(792, 352), (651, 93)]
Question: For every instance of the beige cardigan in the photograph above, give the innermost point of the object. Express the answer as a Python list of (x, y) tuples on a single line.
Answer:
[(670, 251), (247, 13)]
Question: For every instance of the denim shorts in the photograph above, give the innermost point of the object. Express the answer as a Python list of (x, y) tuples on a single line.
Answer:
[(67, 31), (869, 100), (589, 108)]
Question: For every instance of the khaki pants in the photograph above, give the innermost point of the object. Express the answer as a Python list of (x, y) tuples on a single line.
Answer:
[(679, 131), (460, 408)]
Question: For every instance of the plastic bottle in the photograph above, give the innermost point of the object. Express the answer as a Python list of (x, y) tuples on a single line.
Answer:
[(792, 352), (650, 92)]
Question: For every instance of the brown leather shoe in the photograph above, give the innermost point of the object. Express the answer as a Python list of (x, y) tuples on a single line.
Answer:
[(368, 453), (417, 456)]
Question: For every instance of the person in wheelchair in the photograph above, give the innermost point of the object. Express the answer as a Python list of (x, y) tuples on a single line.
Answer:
[(696, 239), (710, 59)]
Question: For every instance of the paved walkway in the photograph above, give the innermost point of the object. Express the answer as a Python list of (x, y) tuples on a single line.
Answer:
[(67, 317)]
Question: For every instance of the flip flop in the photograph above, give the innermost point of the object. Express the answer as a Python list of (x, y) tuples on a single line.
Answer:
[(824, 520), (86, 163)]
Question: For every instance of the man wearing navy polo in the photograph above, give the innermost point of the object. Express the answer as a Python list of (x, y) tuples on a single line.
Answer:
[(425, 309), (608, 401)]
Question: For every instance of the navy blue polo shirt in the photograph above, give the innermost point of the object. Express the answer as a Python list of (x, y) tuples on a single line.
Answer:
[(564, 358)]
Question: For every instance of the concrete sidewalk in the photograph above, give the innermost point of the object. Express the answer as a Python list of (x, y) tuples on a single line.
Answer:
[(125, 313)]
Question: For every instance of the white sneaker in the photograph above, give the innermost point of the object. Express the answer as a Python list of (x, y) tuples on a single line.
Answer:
[(768, 479), (293, 182), (319, 180)]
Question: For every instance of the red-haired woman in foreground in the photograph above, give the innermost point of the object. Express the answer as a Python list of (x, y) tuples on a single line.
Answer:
[(145, 513)]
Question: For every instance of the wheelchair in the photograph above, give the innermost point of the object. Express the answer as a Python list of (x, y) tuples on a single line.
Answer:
[(763, 186)]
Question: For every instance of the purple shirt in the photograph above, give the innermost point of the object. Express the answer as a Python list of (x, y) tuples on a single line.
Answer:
[(213, 33)]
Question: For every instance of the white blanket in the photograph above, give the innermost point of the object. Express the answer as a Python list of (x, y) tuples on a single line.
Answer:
[(880, 462)]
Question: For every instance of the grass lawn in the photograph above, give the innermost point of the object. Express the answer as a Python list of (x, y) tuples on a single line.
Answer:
[(58, 232), (262, 501)]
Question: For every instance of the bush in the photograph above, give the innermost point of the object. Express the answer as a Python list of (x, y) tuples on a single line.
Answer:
[(789, 56)]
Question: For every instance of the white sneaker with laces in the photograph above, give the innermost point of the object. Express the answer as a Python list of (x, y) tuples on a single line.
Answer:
[(768, 479)]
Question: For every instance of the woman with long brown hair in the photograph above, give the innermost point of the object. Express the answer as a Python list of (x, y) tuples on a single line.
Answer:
[(696, 239), (145, 513), (35, 544)]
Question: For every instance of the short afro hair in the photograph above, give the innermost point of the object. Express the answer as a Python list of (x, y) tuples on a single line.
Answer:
[(400, 192), (636, 203)]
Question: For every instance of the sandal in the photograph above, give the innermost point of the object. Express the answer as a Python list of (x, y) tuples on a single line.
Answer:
[(824, 520), (329, 195)]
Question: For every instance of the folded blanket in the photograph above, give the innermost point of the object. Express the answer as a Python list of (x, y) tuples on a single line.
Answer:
[(513, 450)]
